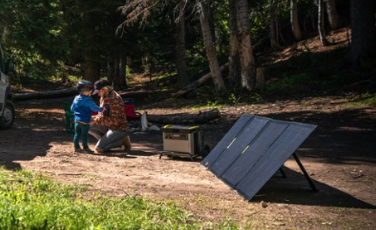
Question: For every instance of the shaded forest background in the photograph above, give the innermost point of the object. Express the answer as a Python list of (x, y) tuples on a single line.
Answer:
[(226, 45)]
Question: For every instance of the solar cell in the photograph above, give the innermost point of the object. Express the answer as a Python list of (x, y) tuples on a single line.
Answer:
[(233, 151), (226, 140), (253, 153)]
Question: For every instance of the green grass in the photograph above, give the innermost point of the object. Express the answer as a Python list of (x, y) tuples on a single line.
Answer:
[(365, 99), (29, 201), (288, 80)]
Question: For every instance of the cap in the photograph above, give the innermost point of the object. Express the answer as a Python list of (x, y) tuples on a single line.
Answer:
[(99, 85), (84, 85)]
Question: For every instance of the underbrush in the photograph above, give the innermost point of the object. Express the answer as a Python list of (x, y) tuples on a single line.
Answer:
[(321, 72), (30, 201)]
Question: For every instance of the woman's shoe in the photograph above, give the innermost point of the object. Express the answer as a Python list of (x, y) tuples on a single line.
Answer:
[(98, 150), (127, 143)]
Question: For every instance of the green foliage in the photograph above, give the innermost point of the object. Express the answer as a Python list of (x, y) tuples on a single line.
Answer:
[(364, 99), (368, 98), (164, 81), (44, 36), (259, 20), (288, 80), (33, 36), (316, 72), (222, 28), (208, 98), (128, 71), (29, 201)]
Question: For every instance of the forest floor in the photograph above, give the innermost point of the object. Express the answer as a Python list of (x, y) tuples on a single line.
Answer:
[(340, 157)]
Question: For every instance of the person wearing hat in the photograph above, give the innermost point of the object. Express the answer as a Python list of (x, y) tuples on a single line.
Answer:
[(109, 127), (82, 106)]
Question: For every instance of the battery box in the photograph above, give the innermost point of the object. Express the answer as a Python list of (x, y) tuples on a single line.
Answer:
[(178, 139)]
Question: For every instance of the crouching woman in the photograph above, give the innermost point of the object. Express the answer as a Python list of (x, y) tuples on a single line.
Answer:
[(109, 127)]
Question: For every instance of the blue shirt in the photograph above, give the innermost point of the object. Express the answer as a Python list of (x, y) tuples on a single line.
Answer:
[(82, 107)]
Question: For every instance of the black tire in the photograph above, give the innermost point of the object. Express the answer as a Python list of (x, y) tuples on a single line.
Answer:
[(6, 121)]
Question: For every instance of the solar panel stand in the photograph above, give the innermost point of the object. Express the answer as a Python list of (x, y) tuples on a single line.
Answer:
[(304, 172), (270, 144), (282, 172)]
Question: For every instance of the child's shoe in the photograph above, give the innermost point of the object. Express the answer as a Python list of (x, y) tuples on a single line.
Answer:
[(77, 150), (87, 150)]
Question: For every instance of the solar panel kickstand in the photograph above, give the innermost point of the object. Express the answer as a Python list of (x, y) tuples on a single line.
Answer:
[(305, 172), (282, 172)]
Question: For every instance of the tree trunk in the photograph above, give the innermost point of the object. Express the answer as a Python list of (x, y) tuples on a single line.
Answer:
[(210, 15), (219, 84), (295, 20), (333, 16), (321, 24), (363, 44), (122, 74), (116, 80), (274, 42), (91, 56), (260, 79), (91, 69), (234, 59), (181, 61), (110, 68), (247, 61)]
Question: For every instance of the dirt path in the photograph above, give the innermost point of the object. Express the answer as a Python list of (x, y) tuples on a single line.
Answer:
[(340, 156)]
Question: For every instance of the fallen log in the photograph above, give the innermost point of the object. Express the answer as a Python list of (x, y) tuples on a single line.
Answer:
[(199, 82), (204, 78), (45, 94), (201, 117)]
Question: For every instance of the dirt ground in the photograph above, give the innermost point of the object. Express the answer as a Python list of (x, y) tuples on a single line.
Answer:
[(340, 157)]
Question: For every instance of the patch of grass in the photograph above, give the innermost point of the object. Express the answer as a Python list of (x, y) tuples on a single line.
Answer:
[(288, 80), (365, 99), (207, 98), (29, 201)]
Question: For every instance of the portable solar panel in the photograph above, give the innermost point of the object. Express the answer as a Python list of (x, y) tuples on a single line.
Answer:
[(253, 150)]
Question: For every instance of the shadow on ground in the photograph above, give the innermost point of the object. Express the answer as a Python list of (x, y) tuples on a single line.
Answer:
[(294, 189), (29, 143)]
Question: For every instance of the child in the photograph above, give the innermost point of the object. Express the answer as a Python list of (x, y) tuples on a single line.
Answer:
[(82, 106)]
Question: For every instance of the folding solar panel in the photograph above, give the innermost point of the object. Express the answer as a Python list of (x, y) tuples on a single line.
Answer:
[(254, 150)]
